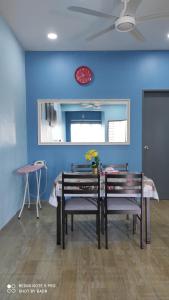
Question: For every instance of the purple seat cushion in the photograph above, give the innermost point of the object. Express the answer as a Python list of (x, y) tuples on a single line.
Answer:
[(81, 204), (123, 204)]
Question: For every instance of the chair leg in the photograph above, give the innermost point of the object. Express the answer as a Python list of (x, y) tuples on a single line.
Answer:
[(66, 220), (134, 223), (106, 232), (98, 229), (71, 222), (63, 229), (96, 224), (102, 217)]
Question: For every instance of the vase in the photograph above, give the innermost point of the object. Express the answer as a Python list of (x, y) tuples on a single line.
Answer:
[(95, 171)]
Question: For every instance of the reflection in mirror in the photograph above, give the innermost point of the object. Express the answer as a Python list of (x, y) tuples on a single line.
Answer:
[(83, 121)]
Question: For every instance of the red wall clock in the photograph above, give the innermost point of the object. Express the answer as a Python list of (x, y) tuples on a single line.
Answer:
[(83, 75)]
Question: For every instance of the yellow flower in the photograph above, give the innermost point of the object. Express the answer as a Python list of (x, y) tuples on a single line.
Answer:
[(91, 154), (95, 154), (88, 156)]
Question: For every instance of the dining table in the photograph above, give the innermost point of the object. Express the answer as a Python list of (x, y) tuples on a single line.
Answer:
[(149, 193)]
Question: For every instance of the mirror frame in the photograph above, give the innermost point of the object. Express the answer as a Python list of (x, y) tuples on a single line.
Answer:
[(76, 101)]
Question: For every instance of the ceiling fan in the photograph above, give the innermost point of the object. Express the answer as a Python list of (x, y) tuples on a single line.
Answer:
[(126, 22)]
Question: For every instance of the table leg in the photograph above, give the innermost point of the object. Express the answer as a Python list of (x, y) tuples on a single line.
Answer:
[(58, 221), (147, 221)]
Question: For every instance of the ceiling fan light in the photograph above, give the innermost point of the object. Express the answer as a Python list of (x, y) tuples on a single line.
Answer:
[(125, 24), (125, 27), (52, 36)]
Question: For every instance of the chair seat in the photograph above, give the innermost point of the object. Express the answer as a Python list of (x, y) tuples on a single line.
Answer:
[(80, 204), (123, 204)]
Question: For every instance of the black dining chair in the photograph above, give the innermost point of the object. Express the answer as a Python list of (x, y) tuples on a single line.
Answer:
[(81, 189), (82, 168), (121, 194), (119, 167)]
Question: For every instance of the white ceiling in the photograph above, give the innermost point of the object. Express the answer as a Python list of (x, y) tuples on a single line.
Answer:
[(31, 20)]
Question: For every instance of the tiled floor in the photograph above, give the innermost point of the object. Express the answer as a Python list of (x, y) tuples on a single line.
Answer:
[(29, 255)]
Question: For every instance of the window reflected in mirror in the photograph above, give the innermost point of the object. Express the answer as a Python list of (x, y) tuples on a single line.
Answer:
[(87, 133), (83, 121), (117, 131)]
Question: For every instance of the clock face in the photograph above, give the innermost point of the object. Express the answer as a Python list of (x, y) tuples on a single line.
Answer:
[(83, 75)]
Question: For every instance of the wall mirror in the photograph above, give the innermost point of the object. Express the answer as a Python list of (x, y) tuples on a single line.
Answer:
[(86, 121)]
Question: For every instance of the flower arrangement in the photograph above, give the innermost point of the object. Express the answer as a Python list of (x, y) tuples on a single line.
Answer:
[(93, 154)]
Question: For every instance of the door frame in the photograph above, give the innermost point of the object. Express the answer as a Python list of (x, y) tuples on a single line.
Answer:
[(143, 94)]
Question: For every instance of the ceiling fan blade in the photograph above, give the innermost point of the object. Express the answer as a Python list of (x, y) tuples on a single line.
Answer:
[(91, 12), (94, 36), (132, 7), (153, 17), (137, 35)]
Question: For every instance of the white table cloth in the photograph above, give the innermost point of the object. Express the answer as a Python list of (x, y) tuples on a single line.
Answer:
[(149, 190)]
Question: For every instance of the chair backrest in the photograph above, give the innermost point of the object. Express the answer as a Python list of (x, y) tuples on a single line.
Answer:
[(81, 168), (80, 184), (120, 184), (119, 167)]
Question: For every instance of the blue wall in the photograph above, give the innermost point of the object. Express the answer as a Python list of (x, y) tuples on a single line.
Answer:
[(117, 75), (13, 146)]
